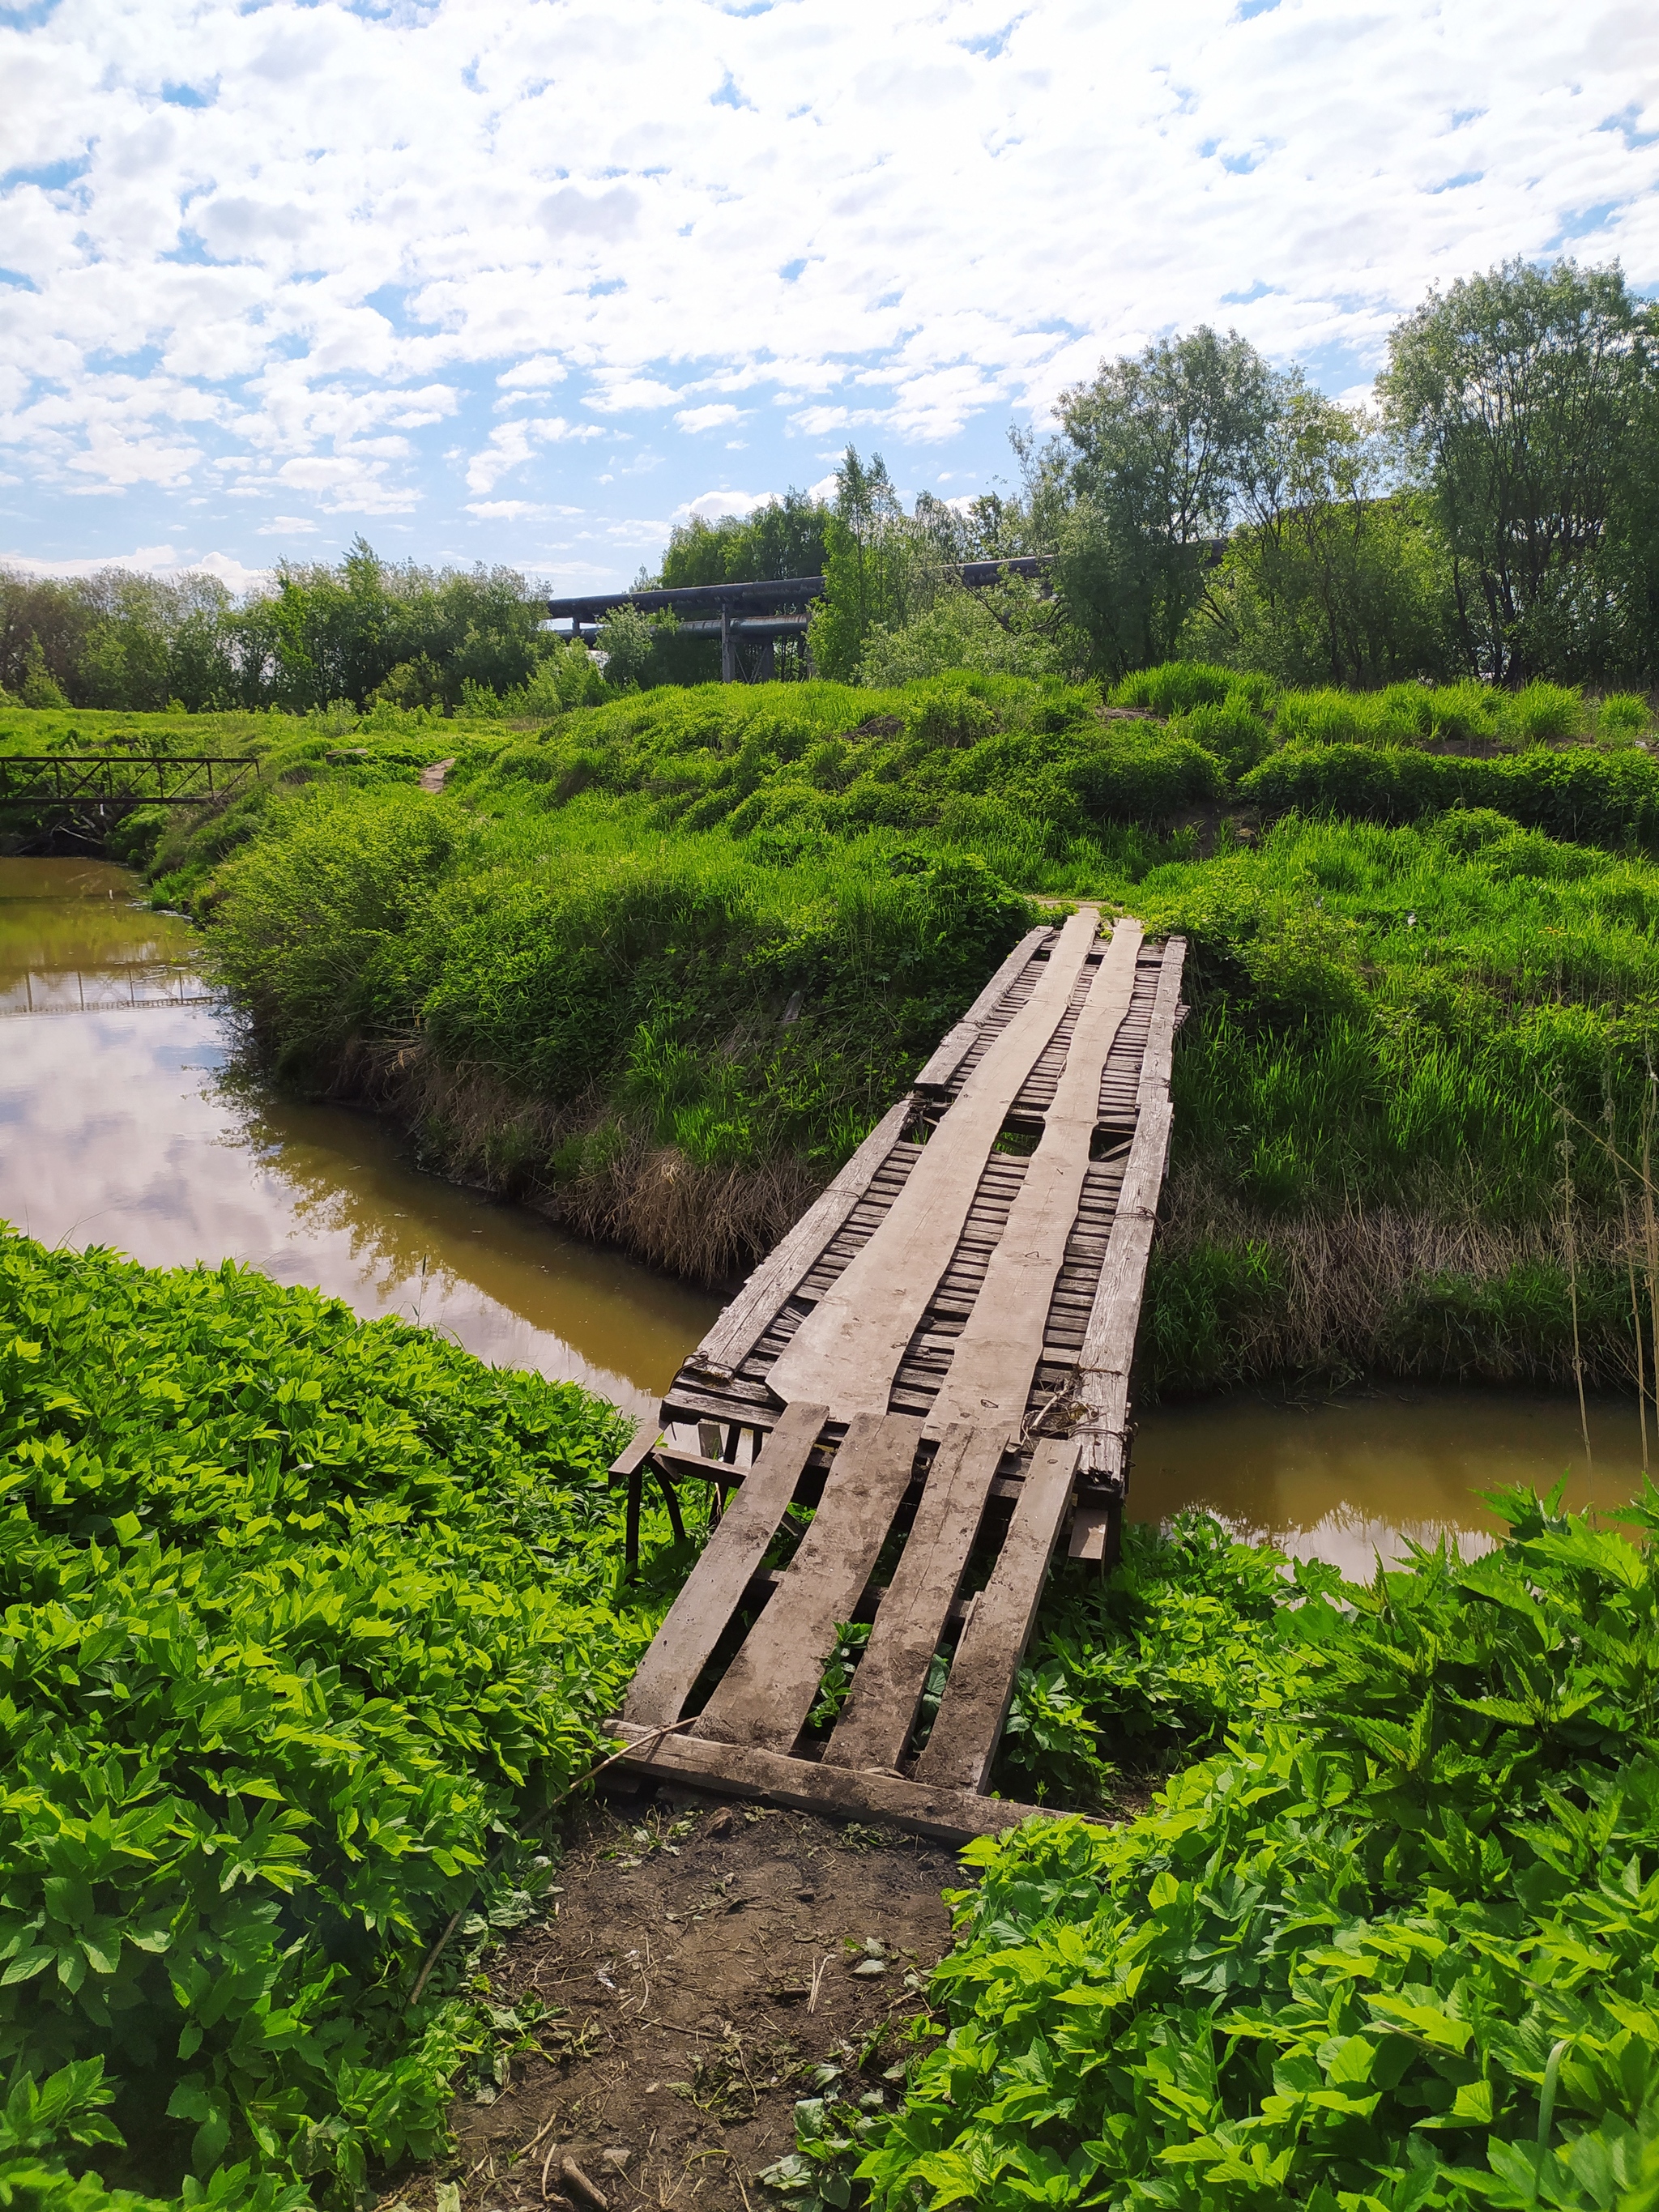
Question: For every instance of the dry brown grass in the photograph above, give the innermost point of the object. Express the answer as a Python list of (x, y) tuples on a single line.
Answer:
[(1436, 1290), (707, 1225)]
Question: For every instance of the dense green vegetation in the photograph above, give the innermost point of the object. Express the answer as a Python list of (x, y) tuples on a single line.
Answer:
[(304, 1621), (1389, 1944), (656, 965)]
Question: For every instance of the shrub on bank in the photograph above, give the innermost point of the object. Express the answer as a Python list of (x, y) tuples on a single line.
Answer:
[(303, 1617), (1390, 1943)]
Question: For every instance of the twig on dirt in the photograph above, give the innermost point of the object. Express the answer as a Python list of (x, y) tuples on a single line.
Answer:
[(818, 1972), (525, 2149), (552, 2153), (579, 2181), (629, 1750)]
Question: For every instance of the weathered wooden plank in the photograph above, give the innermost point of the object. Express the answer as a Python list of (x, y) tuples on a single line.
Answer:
[(1109, 1342), (959, 1042), (990, 1377), (965, 1734), (875, 1721), (848, 1351), (948, 1815), (770, 1687), (745, 1321), (697, 1619), (635, 1455)]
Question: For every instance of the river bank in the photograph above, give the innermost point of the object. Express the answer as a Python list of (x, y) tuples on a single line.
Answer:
[(126, 1123)]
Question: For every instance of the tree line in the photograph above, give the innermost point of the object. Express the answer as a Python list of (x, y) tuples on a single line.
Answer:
[(1493, 513)]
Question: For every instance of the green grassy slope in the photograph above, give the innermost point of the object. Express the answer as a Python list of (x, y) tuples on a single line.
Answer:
[(657, 964)]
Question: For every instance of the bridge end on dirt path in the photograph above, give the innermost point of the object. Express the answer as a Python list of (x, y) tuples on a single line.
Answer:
[(935, 1364)]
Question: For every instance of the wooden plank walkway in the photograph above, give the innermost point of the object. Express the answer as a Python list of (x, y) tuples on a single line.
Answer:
[(935, 1364)]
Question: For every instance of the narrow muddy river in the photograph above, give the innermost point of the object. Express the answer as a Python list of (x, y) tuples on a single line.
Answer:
[(120, 1126)]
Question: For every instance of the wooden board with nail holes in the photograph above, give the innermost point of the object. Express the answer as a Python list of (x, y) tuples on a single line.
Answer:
[(982, 1678), (747, 1771), (875, 1723)]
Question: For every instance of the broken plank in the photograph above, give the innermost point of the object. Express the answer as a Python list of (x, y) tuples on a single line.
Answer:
[(875, 1723), (771, 1686), (950, 1816), (698, 1617), (975, 1706), (1109, 1342), (745, 1321)]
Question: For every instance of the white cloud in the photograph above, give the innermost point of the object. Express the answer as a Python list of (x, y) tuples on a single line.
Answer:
[(384, 220), (539, 374), (511, 444), (712, 505), (287, 526), (706, 418), (504, 510), (633, 391)]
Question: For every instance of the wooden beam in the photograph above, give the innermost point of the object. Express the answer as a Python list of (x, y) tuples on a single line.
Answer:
[(753, 1312), (965, 1735), (1108, 1339), (950, 1816), (958, 1043), (996, 1355), (771, 1686), (715, 1589), (875, 1723)]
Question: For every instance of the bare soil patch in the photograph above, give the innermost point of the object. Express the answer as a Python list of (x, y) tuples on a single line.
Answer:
[(701, 1961)]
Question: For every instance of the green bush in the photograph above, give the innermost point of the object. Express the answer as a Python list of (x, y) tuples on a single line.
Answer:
[(1609, 798), (301, 1617), (1237, 737), (1394, 1945), (1623, 715)]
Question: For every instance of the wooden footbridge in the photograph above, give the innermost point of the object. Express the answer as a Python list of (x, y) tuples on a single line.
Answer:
[(935, 1361)]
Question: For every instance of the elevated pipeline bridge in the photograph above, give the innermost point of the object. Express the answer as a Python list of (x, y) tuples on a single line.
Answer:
[(936, 1362), (751, 619)]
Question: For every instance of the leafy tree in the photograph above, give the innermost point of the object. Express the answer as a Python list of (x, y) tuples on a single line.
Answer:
[(1338, 577), (1153, 464), (783, 537), (868, 558), (1525, 396), (629, 640)]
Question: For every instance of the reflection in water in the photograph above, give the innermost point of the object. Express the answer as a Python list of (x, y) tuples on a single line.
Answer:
[(116, 1127), (1348, 1479)]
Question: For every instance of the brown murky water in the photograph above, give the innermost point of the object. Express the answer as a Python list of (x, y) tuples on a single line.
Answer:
[(1360, 1476), (117, 1127)]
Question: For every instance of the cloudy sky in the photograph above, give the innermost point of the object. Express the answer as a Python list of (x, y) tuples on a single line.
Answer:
[(529, 283)]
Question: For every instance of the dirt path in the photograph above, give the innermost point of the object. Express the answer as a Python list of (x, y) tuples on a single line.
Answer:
[(703, 1962)]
